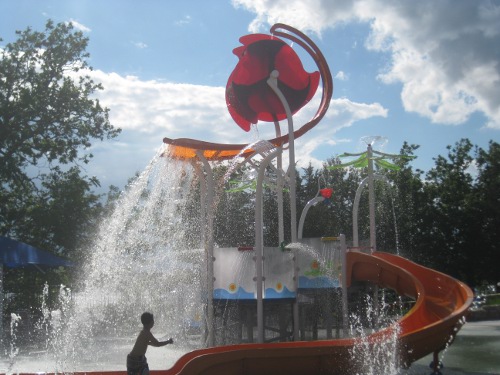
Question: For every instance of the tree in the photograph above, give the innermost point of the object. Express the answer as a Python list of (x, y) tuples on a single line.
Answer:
[(234, 214), (486, 205), (402, 202), (48, 119), (449, 222)]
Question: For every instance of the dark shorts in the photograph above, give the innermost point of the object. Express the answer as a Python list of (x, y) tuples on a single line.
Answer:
[(137, 365)]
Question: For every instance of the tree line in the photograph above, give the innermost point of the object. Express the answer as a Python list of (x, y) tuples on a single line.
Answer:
[(446, 218)]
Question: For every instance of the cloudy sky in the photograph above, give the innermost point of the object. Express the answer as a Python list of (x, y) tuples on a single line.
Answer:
[(426, 72)]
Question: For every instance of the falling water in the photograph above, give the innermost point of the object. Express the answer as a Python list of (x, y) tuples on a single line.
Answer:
[(394, 218), (14, 349), (442, 354), (378, 356), (260, 146), (396, 230), (138, 262)]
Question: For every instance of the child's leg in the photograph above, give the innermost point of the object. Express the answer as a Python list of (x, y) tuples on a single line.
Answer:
[(145, 370)]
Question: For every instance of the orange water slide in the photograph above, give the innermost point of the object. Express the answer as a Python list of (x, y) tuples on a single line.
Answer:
[(430, 325), (441, 301)]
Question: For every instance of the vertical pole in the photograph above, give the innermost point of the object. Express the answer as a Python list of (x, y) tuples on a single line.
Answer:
[(295, 306), (209, 247), (279, 192), (345, 309), (373, 234), (355, 212), (273, 83), (1, 305), (259, 243), (371, 199), (203, 204)]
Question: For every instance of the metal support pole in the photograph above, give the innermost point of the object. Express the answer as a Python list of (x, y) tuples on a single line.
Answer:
[(259, 243), (209, 247), (373, 233), (273, 83), (355, 208), (279, 190), (371, 200), (203, 203), (345, 306), (1, 305)]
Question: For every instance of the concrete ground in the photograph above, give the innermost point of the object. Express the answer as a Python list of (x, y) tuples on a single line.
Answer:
[(475, 351)]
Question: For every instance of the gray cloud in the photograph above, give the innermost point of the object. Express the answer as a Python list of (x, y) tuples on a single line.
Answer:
[(445, 53)]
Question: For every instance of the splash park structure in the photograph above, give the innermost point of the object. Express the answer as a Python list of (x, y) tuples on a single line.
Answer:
[(290, 309)]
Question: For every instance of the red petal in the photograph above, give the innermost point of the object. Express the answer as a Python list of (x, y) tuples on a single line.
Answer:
[(250, 70), (290, 69), (252, 38), (249, 98)]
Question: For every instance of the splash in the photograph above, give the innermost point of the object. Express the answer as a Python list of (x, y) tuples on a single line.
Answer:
[(138, 262), (379, 356), (14, 349)]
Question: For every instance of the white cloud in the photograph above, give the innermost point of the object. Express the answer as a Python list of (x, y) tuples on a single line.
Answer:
[(341, 76), (306, 15), (140, 45), (186, 20), (164, 108), (341, 114), (148, 111), (195, 111), (445, 54), (78, 26)]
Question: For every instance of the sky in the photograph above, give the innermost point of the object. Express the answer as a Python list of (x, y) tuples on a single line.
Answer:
[(425, 72)]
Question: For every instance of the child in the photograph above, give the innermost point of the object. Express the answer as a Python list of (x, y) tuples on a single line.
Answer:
[(137, 362)]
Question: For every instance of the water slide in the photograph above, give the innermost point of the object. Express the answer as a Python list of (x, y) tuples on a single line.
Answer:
[(432, 323)]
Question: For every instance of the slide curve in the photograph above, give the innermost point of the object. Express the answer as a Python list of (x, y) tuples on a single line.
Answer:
[(430, 325)]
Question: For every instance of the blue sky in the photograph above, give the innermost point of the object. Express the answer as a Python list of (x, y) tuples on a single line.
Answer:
[(426, 72)]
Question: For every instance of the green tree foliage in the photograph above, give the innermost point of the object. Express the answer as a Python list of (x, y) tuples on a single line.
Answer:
[(486, 204), (399, 201), (447, 218), (333, 216), (48, 119), (235, 215), (462, 213), (449, 226)]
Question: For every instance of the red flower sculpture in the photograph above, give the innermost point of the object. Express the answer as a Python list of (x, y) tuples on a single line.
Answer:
[(326, 193), (248, 96)]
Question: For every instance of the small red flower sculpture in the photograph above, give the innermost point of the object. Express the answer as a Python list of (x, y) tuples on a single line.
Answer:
[(326, 193), (248, 96)]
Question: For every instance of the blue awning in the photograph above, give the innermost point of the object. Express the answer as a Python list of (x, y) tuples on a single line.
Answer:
[(18, 254)]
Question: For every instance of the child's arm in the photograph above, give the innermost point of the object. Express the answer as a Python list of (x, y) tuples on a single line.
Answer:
[(154, 342)]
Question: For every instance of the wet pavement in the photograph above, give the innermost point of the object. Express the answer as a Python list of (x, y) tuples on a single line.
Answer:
[(475, 351)]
